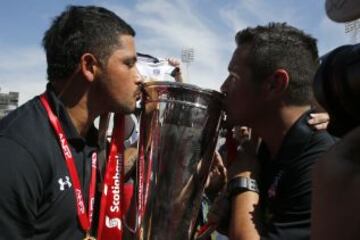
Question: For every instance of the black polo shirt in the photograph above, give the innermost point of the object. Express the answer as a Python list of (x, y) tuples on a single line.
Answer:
[(285, 181), (36, 194)]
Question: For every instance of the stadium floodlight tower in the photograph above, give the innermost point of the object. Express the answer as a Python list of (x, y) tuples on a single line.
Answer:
[(187, 57)]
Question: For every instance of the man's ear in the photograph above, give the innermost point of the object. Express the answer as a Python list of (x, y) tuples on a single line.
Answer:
[(277, 83), (89, 66)]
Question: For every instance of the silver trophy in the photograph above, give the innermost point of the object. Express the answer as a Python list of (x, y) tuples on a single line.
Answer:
[(178, 133)]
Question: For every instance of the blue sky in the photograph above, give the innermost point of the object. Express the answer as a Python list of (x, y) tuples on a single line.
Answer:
[(163, 27)]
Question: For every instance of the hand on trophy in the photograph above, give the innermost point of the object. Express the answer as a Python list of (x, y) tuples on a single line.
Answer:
[(176, 73), (217, 178), (222, 171), (219, 203), (158, 69), (245, 162)]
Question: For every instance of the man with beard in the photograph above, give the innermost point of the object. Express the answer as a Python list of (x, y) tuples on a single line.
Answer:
[(48, 145)]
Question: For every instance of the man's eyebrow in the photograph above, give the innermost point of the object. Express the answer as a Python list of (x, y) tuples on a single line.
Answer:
[(130, 60)]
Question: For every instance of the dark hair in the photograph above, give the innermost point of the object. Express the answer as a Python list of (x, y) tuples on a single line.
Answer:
[(81, 29), (279, 45)]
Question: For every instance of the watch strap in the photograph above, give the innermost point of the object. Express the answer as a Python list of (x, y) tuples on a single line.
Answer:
[(242, 184)]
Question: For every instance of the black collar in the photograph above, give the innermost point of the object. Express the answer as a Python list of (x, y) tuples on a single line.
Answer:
[(294, 142), (71, 133)]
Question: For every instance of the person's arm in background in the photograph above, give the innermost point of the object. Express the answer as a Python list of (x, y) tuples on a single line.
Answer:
[(177, 71), (244, 222), (319, 121)]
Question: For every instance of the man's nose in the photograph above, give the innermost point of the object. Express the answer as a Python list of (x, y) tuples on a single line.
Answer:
[(223, 87), (139, 78)]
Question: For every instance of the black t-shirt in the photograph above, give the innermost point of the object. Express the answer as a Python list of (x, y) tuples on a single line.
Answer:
[(285, 181), (36, 194)]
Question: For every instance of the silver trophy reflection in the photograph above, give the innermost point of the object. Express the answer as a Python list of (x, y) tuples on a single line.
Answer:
[(178, 133)]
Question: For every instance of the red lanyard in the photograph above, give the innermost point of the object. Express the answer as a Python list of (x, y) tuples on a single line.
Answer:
[(112, 207), (84, 218), (144, 177)]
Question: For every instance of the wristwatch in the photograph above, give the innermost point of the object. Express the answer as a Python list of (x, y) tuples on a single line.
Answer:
[(241, 184)]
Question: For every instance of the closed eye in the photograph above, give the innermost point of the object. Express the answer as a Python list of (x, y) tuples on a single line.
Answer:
[(130, 62)]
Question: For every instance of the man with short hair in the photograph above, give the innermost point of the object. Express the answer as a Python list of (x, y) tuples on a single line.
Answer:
[(91, 71), (269, 89)]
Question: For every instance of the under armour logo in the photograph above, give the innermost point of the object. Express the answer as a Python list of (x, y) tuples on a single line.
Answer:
[(113, 222), (63, 183)]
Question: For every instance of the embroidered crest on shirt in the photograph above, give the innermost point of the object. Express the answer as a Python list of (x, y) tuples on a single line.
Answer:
[(273, 187), (64, 184)]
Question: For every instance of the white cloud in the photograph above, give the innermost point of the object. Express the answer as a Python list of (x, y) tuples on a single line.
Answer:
[(125, 13), (164, 27), (17, 58), (246, 13), (22, 69), (167, 27), (332, 35), (254, 12), (231, 17)]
